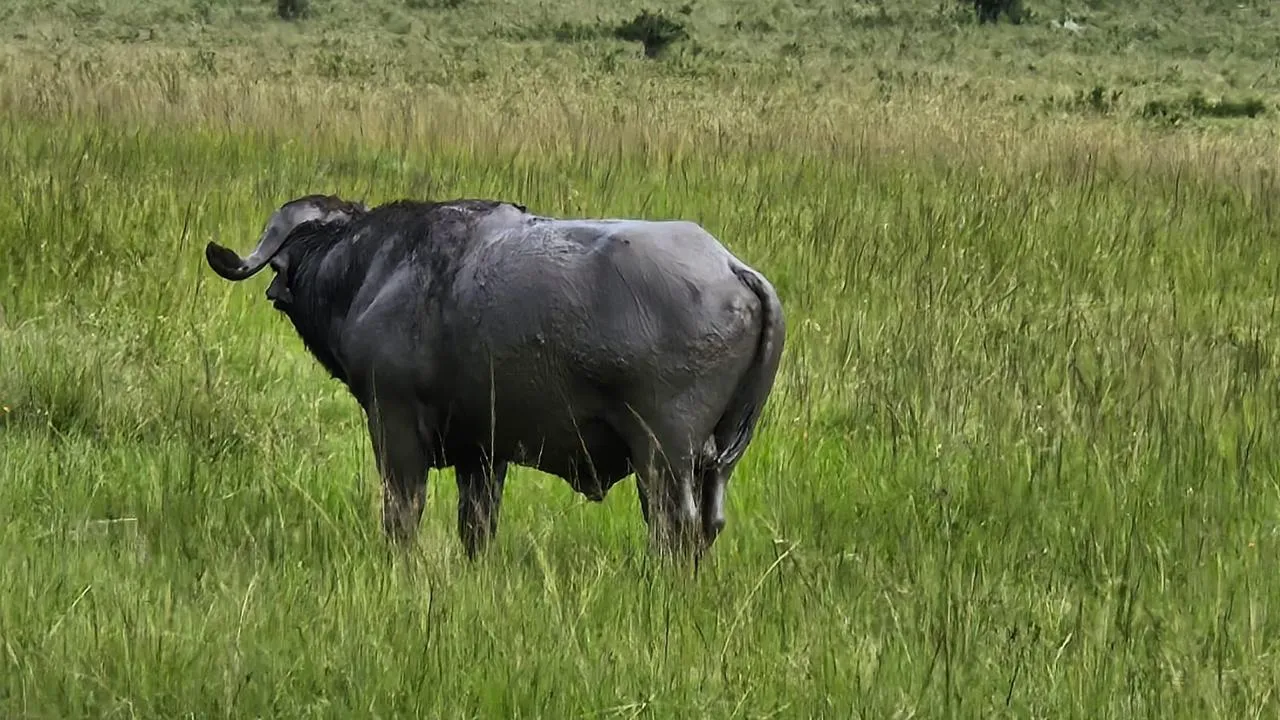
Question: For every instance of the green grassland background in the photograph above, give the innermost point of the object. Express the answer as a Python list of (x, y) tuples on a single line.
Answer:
[(1021, 459)]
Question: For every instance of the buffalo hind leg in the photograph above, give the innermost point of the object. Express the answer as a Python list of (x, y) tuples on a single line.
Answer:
[(401, 454), (665, 482), (712, 480), (479, 502)]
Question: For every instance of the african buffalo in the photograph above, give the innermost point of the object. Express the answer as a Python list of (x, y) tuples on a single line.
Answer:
[(475, 334)]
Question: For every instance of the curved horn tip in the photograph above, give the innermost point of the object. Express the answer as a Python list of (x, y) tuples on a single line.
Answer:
[(225, 262)]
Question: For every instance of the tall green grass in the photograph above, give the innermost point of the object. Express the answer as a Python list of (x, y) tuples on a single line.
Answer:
[(1020, 461)]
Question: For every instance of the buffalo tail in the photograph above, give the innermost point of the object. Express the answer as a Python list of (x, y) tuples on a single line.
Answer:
[(733, 432)]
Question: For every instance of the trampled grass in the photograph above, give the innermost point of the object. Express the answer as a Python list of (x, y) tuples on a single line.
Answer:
[(1020, 460)]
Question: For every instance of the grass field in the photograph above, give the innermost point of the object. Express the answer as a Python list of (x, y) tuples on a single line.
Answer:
[(1021, 459)]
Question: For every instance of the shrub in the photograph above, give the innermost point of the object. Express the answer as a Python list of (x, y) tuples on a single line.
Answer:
[(1196, 105), (293, 9), (1098, 100), (434, 4), (654, 30), (990, 10)]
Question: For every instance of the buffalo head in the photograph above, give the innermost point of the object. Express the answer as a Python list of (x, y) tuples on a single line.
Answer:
[(321, 209)]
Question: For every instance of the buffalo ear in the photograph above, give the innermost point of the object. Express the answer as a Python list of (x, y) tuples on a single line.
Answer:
[(278, 291)]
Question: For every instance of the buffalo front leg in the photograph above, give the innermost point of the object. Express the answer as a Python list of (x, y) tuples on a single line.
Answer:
[(400, 450), (480, 487)]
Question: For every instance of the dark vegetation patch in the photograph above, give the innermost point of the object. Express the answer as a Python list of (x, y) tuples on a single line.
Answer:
[(293, 9), (1196, 105), (1097, 100), (1101, 100), (990, 11), (655, 31), (434, 4)]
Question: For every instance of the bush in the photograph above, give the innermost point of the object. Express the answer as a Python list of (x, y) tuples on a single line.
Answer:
[(293, 9), (1097, 100), (654, 30), (990, 10), (434, 4), (1196, 105)]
